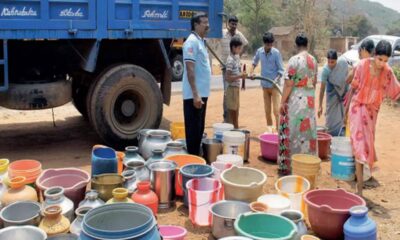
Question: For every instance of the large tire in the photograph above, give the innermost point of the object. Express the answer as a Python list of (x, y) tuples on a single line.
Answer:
[(125, 99), (177, 68)]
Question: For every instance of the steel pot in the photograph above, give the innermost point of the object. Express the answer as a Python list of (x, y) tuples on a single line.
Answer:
[(155, 139), (55, 196), (21, 213), (130, 181), (174, 148), (22, 232), (224, 214), (104, 184), (142, 173)]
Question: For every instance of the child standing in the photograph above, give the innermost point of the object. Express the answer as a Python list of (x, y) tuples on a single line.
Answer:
[(233, 76)]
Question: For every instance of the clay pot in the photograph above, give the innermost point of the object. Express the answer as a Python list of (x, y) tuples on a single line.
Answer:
[(145, 196), (120, 195), (18, 192), (54, 222)]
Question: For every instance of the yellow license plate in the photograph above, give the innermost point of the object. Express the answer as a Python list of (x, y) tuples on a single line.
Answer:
[(186, 13)]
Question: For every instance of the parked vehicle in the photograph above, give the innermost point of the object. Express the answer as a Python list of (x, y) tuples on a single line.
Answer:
[(108, 57), (353, 58)]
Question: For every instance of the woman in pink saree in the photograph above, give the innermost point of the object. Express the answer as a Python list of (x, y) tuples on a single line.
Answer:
[(373, 80)]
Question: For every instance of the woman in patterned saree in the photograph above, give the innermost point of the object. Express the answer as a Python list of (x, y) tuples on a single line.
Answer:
[(373, 80), (297, 123)]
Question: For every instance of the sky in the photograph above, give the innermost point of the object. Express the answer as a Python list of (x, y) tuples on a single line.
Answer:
[(393, 4)]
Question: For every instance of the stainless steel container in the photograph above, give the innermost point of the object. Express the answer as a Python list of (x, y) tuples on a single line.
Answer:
[(55, 196), (22, 232), (163, 182), (130, 181), (246, 143), (21, 213), (224, 214), (155, 139), (211, 149)]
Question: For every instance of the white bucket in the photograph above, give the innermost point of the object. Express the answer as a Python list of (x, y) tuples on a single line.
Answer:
[(293, 187), (233, 159), (342, 146), (234, 143), (220, 128), (275, 203)]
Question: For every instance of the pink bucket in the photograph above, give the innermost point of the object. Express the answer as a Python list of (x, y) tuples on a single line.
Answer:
[(269, 144), (73, 180), (203, 192), (219, 167), (172, 232)]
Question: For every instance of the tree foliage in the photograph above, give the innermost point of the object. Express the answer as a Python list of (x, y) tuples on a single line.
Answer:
[(394, 29), (360, 26), (256, 16)]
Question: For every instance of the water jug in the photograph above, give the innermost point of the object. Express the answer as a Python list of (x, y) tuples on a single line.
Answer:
[(359, 225)]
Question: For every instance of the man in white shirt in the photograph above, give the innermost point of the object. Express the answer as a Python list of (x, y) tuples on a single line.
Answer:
[(227, 35)]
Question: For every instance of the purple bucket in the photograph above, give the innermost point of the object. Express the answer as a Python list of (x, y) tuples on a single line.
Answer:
[(73, 180), (269, 144)]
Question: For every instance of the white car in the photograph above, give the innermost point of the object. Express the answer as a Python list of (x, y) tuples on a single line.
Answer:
[(352, 54)]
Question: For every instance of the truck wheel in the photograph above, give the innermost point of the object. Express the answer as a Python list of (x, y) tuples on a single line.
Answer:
[(177, 68), (125, 99), (79, 94)]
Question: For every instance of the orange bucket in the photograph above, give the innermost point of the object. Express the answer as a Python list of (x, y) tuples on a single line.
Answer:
[(30, 169), (120, 157), (182, 160)]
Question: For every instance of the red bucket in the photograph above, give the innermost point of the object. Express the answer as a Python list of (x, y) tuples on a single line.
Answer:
[(324, 143)]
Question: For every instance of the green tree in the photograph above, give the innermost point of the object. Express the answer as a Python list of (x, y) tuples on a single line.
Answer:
[(360, 26), (394, 28), (256, 16)]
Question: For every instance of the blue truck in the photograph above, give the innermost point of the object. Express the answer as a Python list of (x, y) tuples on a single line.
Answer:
[(110, 57)]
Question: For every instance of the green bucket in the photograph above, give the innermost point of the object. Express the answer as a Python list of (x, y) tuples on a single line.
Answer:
[(264, 226)]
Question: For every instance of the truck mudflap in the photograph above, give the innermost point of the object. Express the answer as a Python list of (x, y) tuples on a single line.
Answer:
[(167, 79)]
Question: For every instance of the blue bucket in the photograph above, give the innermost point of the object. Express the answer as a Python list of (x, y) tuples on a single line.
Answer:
[(342, 167), (191, 171), (120, 221), (342, 159), (104, 160)]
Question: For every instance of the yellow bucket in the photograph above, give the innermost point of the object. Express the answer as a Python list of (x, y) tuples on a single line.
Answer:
[(4, 164), (177, 130), (307, 166)]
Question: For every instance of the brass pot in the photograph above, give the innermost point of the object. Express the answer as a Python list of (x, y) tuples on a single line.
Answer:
[(106, 183)]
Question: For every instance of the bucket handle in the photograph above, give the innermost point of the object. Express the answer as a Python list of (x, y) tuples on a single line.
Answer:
[(228, 223)]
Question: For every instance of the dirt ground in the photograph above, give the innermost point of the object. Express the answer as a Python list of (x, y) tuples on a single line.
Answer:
[(32, 135)]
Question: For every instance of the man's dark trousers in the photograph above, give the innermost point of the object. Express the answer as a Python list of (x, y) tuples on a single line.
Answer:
[(194, 125)]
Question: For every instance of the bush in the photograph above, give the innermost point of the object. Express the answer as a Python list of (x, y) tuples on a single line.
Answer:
[(396, 71)]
